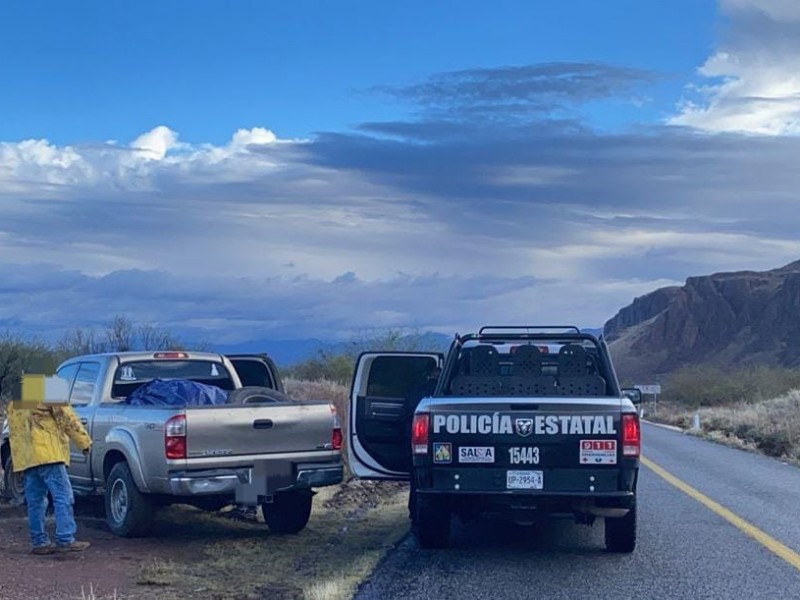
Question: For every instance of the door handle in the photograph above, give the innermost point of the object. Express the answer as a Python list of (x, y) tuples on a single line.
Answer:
[(263, 424), (85, 421)]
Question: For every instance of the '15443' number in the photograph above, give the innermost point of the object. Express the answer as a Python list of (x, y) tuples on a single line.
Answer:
[(525, 455)]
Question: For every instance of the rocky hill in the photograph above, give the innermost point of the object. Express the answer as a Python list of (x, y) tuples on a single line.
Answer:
[(728, 319)]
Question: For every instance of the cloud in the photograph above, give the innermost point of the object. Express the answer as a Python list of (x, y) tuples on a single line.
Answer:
[(155, 144), (435, 223), (504, 93), (751, 84), (284, 307)]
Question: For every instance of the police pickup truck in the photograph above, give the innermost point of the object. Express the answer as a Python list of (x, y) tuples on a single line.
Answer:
[(523, 423)]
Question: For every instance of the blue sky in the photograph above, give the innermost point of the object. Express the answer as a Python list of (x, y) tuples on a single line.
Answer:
[(257, 170), (100, 70)]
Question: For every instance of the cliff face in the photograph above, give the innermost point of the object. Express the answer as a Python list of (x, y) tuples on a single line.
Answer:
[(727, 318)]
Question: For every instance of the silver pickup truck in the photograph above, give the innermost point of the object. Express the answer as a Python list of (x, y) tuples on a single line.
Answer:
[(259, 447)]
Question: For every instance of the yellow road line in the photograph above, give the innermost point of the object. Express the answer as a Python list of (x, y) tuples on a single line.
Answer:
[(766, 540)]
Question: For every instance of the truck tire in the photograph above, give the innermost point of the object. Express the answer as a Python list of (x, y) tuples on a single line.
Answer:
[(129, 512), (13, 486), (253, 394), (289, 511), (620, 533), (431, 522)]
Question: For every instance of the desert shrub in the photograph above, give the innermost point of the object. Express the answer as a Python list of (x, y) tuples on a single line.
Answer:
[(337, 368), (709, 385), (337, 364), (770, 426)]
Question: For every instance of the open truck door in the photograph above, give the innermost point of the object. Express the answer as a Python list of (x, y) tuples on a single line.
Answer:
[(256, 370), (387, 386)]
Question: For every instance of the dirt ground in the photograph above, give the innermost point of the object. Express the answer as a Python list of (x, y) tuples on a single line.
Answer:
[(170, 564), (111, 565)]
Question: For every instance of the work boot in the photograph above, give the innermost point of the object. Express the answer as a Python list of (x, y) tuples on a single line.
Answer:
[(42, 550), (73, 547)]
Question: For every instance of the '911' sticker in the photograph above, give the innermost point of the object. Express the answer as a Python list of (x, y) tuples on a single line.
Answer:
[(598, 452)]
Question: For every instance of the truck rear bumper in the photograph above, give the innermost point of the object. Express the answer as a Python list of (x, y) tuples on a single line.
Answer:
[(319, 475), (227, 481), (203, 483), (600, 504)]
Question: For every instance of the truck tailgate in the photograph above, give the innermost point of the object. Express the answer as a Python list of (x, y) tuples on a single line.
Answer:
[(258, 429), (553, 445)]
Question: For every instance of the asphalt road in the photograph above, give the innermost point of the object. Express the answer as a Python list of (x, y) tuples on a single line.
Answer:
[(684, 550)]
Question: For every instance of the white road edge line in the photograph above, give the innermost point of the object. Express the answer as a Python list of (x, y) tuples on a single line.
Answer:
[(662, 425)]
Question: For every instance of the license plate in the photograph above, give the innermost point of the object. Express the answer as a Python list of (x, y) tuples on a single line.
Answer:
[(524, 480)]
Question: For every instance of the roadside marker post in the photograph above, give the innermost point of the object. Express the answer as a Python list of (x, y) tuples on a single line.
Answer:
[(651, 390)]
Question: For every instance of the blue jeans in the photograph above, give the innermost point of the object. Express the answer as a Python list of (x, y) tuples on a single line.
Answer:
[(54, 479)]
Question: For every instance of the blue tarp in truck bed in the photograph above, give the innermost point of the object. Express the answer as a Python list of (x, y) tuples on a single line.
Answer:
[(177, 392)]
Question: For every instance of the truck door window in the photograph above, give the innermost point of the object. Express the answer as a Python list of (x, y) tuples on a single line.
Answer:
[(397, 378), (253, 372), (85, 384), (67, 373)]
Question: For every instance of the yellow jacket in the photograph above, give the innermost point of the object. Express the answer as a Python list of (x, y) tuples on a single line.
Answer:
[(41, 436)]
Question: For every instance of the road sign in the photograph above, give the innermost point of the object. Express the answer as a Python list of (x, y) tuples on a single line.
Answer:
[(649, 389)]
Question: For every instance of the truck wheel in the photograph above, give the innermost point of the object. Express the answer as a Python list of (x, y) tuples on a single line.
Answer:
[(289, 511), (13, 486), (431, 522), (621, 532), (129, 512)]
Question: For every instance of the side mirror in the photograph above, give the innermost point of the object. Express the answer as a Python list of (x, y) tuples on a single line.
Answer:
[(633, 394)]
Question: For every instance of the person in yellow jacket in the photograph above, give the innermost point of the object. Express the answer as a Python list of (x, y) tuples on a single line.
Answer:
[(39, 439)]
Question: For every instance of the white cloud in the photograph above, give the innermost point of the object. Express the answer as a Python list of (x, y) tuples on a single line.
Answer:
[(264, 237), (779, 10), (155, 144), (752, 80), (258, 135)]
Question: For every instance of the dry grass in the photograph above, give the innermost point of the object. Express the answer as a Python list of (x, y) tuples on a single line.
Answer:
[(351, 528), (157, 572), (771, 427)]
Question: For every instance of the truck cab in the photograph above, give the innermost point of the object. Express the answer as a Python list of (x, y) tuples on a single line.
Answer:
[(523, 423)]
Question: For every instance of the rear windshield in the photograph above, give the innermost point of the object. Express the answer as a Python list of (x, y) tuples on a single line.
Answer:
[(129, 376)]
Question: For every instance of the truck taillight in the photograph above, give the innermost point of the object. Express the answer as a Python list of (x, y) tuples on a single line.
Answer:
[(631, 435), (420, 429), (175, 437), (336, 434)]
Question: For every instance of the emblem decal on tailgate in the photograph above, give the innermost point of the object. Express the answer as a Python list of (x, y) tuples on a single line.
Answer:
[(524, 427), (442, 452)]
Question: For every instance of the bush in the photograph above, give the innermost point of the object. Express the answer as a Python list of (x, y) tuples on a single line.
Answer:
[(336, 368), (708, 385), (337, 364)]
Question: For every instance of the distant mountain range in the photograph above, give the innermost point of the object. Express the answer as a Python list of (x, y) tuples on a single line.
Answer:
[(726, 319), (288, 352)]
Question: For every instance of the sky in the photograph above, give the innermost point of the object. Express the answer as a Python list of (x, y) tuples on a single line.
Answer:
[(273, 170)]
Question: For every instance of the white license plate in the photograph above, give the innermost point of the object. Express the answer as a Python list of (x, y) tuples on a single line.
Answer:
[(524, 480)]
